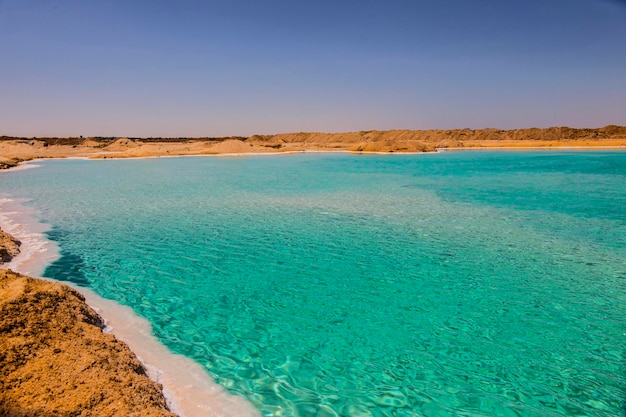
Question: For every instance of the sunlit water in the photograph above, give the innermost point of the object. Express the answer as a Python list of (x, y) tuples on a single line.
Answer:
[(451, 284)]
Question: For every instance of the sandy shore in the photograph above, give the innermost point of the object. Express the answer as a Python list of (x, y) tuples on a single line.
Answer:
[(14, 150), (55, 358), (58, 356)]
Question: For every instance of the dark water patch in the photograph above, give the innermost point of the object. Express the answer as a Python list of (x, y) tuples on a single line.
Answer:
[(69, 267), (57, 234)]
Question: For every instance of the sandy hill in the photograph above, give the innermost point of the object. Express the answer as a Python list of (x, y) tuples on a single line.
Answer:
[(13, 150)]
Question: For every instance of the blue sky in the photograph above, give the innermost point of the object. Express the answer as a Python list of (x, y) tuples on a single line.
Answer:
[(239, 67)]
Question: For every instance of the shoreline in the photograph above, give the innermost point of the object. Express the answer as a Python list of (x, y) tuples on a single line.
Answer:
[(538, 148), (56, 360), (187, 388), (14, 150), (31, 163)]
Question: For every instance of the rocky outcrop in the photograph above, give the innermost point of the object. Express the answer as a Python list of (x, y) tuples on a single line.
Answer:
[(6, 163), (56, 361), (9, 247)]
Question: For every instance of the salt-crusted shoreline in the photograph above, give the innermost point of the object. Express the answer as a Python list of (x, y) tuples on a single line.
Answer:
[(57, 356)]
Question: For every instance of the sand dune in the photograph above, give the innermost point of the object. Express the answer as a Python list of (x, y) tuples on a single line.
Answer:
[(13, 150)]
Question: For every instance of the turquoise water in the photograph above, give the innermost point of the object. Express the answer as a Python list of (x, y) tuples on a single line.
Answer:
[(452, 284)]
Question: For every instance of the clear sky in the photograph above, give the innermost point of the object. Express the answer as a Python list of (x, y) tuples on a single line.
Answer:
[(239, 67)]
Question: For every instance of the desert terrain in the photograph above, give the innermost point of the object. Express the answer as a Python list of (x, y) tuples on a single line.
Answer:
[(14, 150)]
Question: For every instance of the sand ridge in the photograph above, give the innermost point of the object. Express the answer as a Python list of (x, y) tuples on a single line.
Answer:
[(14, 150)]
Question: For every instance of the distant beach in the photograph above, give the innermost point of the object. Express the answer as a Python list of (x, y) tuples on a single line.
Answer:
[(14, 150)]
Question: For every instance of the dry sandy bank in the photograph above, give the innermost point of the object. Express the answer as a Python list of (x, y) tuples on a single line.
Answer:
[(14, 150), (55, 359)]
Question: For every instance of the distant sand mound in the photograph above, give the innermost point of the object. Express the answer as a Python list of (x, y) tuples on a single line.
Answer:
[(231, 146), (122, 144), (92, 143)]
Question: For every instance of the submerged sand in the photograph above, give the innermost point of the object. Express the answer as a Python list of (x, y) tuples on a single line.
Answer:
[(13, 150)]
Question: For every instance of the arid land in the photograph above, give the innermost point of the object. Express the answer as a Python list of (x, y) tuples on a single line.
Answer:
[(14, 150)]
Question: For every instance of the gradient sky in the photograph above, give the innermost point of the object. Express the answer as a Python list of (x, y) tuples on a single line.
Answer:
[(238, 67)]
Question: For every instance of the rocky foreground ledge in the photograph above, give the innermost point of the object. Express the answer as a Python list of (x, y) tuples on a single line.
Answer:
[(56, 361), (9, 247)]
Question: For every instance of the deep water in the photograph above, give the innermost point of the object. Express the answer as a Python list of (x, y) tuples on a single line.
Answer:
[(452, 284)]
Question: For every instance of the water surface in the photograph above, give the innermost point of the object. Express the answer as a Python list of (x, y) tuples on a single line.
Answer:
[(461, 283)]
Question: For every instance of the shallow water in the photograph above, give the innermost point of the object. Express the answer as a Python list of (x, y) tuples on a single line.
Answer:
[(460, 283)]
